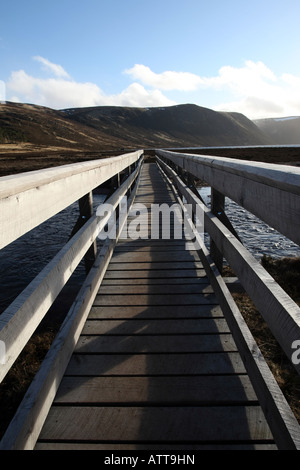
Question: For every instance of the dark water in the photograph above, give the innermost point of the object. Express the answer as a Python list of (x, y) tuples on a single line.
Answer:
[(259, 238), (22, 260)]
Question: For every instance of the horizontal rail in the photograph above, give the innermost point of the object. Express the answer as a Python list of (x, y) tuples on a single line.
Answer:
[(19, 321), (27, 423), (269, 191), (28, 199), (276, 307), (280, 312)]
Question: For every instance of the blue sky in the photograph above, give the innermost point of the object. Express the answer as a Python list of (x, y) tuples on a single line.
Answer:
[(228, 55)]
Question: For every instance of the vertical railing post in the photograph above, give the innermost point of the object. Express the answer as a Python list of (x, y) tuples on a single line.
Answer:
[(217, 208), (129, 173), (86, 211)]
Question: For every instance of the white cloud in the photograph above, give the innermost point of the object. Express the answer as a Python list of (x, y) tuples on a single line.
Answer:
[(58, 70), (253, 76), (2, 91), (255, 108), (239, 80), (136, 95), (53, 92), (257, 92), (60, 92), (252, 89), (169, 80)]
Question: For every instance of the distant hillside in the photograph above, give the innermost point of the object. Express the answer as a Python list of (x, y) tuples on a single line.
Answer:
[(43, 126), (283, 131), (106, 128), (173, 126)]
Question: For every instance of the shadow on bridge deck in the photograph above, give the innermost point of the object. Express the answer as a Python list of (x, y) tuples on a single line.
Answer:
[(156, 366)]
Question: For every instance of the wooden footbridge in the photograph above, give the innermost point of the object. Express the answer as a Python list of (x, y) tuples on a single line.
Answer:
[(153, 353)]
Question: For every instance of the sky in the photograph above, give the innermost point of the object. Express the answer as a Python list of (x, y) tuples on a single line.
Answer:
[(226, 55)]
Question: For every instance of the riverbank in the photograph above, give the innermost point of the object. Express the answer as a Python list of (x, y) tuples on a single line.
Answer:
[(286, 272), (17, 158)]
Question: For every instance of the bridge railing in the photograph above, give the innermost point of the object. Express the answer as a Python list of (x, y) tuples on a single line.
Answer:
[(280, 312), (272, 193), (27, 200)]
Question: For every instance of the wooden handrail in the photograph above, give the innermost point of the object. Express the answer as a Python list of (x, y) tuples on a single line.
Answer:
[(28, 199), (269, 191), (27, 423), (21, 318), (280, 312)]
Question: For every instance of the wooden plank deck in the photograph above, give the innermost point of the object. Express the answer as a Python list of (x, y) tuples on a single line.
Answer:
[(156, 366)]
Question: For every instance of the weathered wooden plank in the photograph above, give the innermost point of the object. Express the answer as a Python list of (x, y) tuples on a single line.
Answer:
[(155, 265), (235, 389), (156, 289), (156, 311), (151, 244), (232, 283), (171, 326), (184, 424), (154, 256), (147, 447), (154, 273), (153, 299), (155, 364), (152, 281), (155, 344), (148, 248)]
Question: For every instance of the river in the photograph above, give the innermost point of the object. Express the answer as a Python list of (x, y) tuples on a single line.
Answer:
[(259, 238)]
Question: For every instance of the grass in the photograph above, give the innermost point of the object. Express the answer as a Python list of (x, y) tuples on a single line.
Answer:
[(286, 272), (21, 374)]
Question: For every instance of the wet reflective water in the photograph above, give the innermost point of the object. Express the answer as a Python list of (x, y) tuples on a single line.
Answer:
[(259, 238)]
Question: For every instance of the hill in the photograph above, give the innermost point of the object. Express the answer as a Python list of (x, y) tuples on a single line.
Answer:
[(41, 126), (34, 137), (120, 127), (283, 131), (173, 126)]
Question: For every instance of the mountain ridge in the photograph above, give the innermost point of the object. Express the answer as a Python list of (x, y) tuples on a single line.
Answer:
[(283, 130), (114, 127)]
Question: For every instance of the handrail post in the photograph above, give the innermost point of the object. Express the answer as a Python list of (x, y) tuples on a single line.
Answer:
[(217, 208), (86, 212)]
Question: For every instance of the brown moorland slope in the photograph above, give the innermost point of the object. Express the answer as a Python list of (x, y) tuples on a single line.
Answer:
[(33, 137), (173, 126)]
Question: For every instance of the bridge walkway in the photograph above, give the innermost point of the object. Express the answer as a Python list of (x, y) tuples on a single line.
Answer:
[(156, 366)]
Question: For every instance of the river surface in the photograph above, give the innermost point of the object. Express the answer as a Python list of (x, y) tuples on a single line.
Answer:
[(259, 238), (22, 260)]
